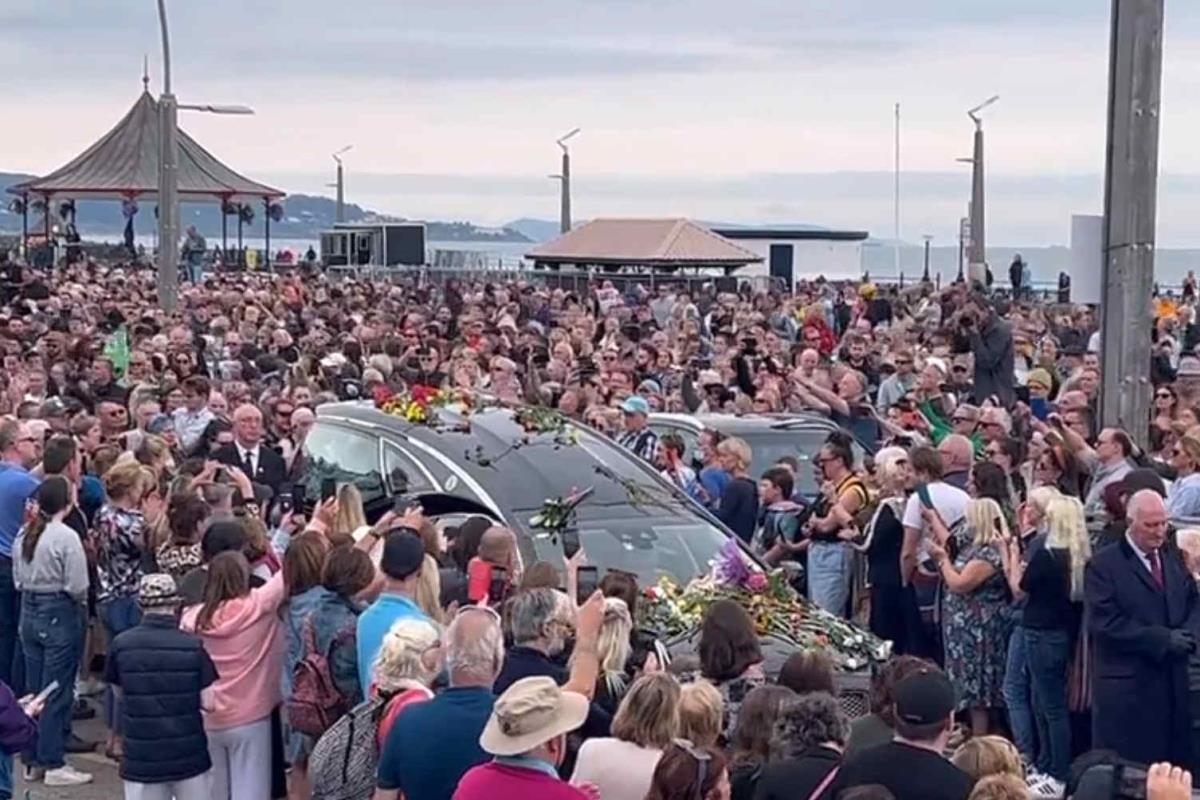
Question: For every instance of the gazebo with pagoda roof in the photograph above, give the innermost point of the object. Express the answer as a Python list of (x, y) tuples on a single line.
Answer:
[(123, 165)]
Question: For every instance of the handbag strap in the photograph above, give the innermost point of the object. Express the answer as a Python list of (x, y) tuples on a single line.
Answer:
[(824, 784)]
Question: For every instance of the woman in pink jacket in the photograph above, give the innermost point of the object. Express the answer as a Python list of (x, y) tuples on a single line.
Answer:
[(242, 633)]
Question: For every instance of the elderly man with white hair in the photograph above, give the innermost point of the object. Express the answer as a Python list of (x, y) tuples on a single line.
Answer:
[(1143, 613)]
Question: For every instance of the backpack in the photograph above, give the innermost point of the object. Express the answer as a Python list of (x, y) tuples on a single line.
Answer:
[(345, 760), (316, 703)]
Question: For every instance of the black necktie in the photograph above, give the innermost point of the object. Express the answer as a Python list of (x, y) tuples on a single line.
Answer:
[(248, 466)]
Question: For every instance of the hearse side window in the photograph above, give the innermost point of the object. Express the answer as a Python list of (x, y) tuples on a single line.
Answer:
[(403, 474), (345, 455), (691, 442)]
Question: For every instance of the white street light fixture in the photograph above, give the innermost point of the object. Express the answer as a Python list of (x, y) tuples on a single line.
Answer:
[(564, 222), (339, 212)]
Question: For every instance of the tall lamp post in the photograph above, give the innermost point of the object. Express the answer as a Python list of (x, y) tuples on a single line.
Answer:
[(339, 214), (977, 251), (168, 172), (564, 214), (928, 238)]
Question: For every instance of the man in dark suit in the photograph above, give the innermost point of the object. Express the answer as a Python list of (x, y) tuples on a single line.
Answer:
[(260, 463), (1143, 611)]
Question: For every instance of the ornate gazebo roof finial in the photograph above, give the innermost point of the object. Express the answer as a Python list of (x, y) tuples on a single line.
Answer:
[(145, 72)]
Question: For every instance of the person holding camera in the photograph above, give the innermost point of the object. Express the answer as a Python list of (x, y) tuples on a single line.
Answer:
[(982, 331), (1143, 613)]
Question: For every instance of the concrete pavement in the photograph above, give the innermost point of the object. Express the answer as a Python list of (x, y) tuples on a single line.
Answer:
[(106, 784)]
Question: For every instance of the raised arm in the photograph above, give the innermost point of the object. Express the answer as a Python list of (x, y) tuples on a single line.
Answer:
[(831, 399)]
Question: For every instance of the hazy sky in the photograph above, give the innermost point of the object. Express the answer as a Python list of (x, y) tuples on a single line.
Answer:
[(748, 111)]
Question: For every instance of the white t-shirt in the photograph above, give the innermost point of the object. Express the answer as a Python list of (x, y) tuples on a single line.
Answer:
[(949, 501), (620, 770)]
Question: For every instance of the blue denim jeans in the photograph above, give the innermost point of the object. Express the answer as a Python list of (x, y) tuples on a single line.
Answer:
[(117, 615), (50, 626), (1049, 656), (830, 572), (12, 663), (1017, 691)]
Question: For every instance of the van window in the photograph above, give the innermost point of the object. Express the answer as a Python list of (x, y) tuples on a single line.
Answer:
[(403, 474), (346, 456)]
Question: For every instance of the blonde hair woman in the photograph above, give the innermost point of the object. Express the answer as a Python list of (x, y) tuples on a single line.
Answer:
[(988, 755), (122, 535), (1018, 687), (739, 502), (882, 541), (974, 628), (615, 647), (1051, 583), (350, 516), (701, 713), (646, 722), (408, 661), (429, 590)]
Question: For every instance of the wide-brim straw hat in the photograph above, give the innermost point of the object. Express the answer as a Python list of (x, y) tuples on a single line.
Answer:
[(530, 713)]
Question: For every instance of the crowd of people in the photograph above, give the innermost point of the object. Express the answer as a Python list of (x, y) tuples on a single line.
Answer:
[(1023, 561)]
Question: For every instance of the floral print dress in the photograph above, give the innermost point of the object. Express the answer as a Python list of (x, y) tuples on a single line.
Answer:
[(976, 626), (120, 537)]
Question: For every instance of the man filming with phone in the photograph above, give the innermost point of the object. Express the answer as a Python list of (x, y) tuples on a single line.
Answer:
[(830, 557), (920, 578)]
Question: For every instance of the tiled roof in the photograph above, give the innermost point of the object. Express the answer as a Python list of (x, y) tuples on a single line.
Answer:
[(642, 241)]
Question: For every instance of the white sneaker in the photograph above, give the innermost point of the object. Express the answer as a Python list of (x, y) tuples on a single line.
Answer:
[(33, 774), (88, 687), (1041, 785), (66, 775)]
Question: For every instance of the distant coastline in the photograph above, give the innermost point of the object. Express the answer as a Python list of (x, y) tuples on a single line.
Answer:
[(305, 216)]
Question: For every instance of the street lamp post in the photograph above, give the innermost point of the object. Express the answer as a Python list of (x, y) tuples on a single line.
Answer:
[(928, 238), (977, 252), (168, 179), (339, 214), (168, 172), (564, 220)]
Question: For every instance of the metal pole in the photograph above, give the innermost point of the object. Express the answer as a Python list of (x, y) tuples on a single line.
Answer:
[(166, 46), (925, 277), (896, 199), (339, 214), (25, 227), (267, 232), (962, 248), (977, 254), (224, 233), (565, 212), (168, 179), (1130, 188)]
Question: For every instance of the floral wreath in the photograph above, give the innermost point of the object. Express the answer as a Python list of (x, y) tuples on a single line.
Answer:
[(419, 404)]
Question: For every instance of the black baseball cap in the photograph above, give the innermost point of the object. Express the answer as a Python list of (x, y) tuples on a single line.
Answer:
[(925, 697), (403, 554)]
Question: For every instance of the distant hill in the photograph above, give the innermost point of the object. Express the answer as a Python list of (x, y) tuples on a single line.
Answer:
[(536, 230), (304, 217)]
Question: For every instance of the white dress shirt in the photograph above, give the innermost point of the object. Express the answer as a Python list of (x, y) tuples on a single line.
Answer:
[(244, 455), (1142, 557)]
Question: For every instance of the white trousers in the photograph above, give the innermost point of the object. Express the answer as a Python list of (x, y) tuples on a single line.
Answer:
[(241, 759), (197, 788)]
